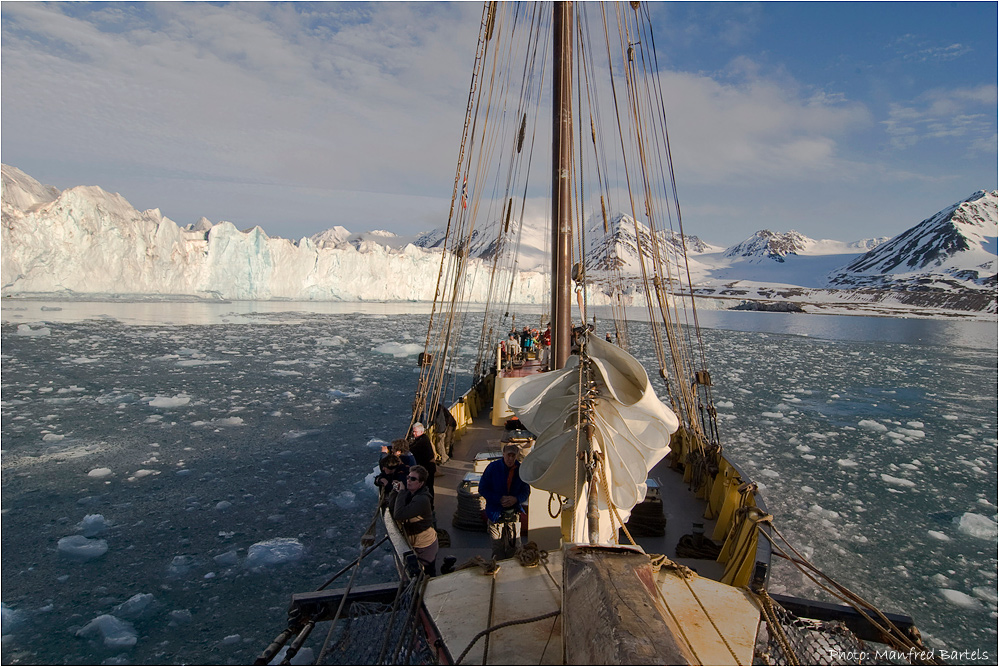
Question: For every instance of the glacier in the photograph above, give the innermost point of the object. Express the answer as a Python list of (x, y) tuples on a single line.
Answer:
[(85, 241)]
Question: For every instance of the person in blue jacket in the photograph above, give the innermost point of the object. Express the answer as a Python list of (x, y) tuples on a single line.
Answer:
[(505, 493)]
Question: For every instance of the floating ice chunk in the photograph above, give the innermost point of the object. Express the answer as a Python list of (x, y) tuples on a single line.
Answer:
[(228, 559), (822, 512), (92, 525), (115, 632), (376, 443), (26, 330), (978, 526), (950, 418), (399, 349), (987, 593), (897, 481), (770, 473), (912, 433), (914, 424), (52, 437), (773, 415), (847, 463), (331, 341), (872, 425), (231, 639), (200, 362), (223, 505), (179, 616), (144, 473), (808, 489), (180, 565), (960, 599), (170, 401), (100, 472), (724, 404), (276, 551), (345, 499), (137, 606), (81, 549), (9, 619), (227, 421), (303, 657), (937, 535)]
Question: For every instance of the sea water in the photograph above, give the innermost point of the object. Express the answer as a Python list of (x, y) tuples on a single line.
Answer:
[(173, 472)]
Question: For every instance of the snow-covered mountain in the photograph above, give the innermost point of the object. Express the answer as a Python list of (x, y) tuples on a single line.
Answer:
[(87, 241), (617, 248), (766, 245), (954, 249)]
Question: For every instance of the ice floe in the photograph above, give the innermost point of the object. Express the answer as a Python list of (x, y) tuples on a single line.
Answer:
[(978, 526), (26, 330), (115, 632), (80, 548), (872, 425), (140, 605), (92, 525), (897, 481), (169, 401), (399, 349), (960, 599), (276, 551), (9, 619)]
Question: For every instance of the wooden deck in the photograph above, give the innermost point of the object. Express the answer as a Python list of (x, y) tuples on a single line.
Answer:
[(680, 506)]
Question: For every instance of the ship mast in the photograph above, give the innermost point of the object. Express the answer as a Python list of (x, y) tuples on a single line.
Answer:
[(561, 183)]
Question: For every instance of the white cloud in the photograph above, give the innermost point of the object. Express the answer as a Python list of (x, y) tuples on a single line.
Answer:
[(758, 128), (247, 92), (959, 114)]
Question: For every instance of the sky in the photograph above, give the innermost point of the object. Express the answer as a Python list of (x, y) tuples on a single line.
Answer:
[(842, 121)]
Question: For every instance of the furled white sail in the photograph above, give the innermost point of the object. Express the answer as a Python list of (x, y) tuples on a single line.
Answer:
[(631, 426)]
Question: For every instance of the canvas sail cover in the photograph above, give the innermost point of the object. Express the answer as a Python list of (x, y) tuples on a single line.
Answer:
[(631, 426)]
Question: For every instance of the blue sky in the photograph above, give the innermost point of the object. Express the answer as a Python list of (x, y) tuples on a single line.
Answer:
[(840, 120)]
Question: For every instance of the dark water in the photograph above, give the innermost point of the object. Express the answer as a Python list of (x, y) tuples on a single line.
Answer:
[(878, 455)]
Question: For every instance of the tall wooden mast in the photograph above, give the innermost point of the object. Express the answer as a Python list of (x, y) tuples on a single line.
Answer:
[(561, 183)]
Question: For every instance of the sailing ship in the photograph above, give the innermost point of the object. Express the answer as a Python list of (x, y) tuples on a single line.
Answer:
[(645, 542)]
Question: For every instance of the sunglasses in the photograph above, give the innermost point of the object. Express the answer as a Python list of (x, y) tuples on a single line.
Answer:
[(413, 479)]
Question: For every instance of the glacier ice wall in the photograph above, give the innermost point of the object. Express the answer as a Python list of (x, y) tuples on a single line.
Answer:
[(85, 241)]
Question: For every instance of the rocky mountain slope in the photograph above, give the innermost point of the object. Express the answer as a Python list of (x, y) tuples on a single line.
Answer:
[(952, 250)]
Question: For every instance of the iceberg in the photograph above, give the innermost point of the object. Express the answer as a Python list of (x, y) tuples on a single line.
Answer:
[(115, 632)]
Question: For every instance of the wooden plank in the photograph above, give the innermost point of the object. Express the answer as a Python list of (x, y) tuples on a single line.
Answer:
[(459, 605), (718, 621), (612, 613)]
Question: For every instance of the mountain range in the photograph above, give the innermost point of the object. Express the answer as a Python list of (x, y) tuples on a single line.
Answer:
[(85, 241)]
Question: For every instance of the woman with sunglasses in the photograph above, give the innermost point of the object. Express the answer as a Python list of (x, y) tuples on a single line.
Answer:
[(411, 506)]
